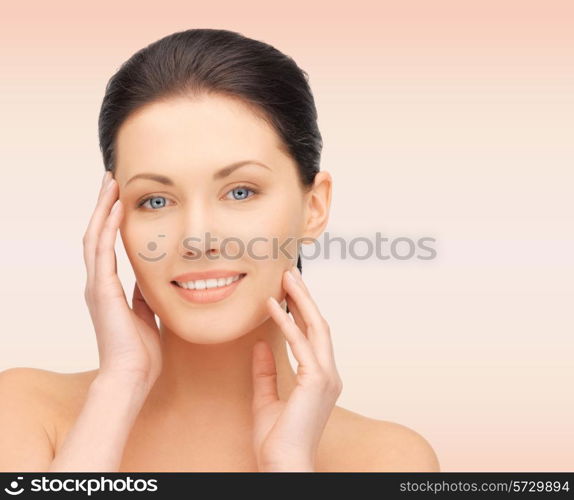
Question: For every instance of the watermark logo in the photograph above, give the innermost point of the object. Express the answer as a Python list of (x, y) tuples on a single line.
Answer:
[(84, 485), (359, 248), (13, 486), (151, 246)]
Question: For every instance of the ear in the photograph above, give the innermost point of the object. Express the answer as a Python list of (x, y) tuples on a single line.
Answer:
[(318, 203)]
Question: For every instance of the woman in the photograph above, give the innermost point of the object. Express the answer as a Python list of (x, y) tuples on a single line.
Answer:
[(211, 149)]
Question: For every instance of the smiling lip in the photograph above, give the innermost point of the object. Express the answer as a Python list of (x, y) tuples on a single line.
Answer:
[(221, 273), (208, 295)]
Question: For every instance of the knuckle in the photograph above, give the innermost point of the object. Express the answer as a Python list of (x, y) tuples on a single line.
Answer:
[(338, 384), (333, 383)]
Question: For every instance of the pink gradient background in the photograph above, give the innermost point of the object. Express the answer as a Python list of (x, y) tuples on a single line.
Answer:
[(445, 119)]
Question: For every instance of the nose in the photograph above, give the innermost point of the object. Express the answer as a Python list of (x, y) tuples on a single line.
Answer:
[(199, 238)]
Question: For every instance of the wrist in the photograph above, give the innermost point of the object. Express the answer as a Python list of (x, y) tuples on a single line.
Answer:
[(107, 383)]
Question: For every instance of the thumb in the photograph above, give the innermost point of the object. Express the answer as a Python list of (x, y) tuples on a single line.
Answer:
[(141, 307), (264, 376)]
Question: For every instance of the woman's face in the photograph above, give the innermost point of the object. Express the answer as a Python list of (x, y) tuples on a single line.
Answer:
[(166, 225)]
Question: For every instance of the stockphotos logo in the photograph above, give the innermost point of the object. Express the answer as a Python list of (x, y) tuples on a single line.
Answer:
[(13, 489), (260, 248), (88, 486)]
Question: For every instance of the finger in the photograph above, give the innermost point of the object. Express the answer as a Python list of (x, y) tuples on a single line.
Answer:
[(105, 201), (141, 307), (102, 192), (294, 310), (264, 374), (106, 279), (308, 311), (325, 356), (318, 333), (298, 342), (104, 182)]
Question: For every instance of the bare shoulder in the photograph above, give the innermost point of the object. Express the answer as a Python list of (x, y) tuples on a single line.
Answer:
[(49, 385), (372, 445), (51, 396)]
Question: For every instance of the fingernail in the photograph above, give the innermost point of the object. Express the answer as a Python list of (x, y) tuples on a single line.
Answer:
[(110, 183), (273, 300), (294, 274), (104, 178)]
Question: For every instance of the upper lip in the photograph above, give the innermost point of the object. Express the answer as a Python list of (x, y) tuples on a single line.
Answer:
[(221, 273)]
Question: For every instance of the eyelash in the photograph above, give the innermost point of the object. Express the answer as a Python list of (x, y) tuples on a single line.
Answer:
[(253, 190)]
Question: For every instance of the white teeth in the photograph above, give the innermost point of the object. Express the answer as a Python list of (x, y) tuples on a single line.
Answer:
[(210, 283)]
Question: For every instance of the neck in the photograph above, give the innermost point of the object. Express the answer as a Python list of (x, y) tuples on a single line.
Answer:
[(216, 379)]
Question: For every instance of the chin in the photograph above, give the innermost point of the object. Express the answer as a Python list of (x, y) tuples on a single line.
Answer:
[(215, 327)]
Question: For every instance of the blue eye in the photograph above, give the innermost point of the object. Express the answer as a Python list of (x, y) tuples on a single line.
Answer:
[(155, 205), (242, 190)]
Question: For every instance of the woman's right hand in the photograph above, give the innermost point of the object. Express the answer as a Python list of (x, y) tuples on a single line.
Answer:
[(128, 338)]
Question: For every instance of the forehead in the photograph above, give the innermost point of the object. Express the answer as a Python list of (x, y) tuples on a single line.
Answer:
[(204, 132)]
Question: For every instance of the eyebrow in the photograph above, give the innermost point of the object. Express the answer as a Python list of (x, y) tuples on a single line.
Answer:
[(220, 174)]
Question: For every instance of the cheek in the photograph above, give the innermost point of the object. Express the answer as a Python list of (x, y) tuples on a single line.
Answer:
[(147, 247), (273, 238)]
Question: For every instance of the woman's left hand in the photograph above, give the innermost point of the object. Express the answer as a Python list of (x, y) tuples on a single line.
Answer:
[(287, 433)]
